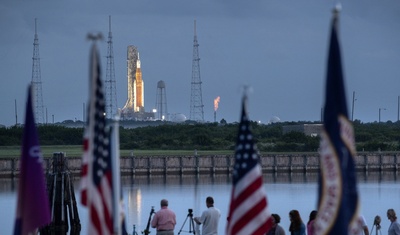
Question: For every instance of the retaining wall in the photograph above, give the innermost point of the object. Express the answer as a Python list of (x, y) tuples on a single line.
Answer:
[(215, 164)]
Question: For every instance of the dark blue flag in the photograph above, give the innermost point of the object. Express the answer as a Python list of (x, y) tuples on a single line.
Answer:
[(338, 198)]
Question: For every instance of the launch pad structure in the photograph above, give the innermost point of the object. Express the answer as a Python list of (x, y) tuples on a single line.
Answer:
[(196, 99), (110, 83), (134, 106), (37, 82)]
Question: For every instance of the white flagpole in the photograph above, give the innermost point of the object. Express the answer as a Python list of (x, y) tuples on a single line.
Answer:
[(116, 175)]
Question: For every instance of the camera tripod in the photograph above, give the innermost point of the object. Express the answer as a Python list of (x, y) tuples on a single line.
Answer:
[(134, 230), (377, 225), (191, 223)]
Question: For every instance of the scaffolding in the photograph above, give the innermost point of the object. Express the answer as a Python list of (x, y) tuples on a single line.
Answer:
[(37, 81), (110, 83), (196, 99)]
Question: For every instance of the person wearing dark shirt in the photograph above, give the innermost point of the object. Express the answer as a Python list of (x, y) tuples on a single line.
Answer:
[(276, 229), (297, 226)]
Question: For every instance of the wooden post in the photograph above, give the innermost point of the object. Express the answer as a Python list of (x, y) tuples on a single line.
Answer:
[(13, 167), (181, 165), (133, 172), (62, 199), (149, 165), (213, 164), (228, 163), (165, 165), (197, 164)]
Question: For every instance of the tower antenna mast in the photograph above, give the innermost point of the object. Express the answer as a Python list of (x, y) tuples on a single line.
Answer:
[(110, 83), (196, 99), (37, 81)]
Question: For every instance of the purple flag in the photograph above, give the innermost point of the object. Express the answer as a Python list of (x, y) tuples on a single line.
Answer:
[(33, 209)]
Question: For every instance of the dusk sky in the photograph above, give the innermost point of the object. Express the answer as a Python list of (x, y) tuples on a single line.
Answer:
[(279, 48)]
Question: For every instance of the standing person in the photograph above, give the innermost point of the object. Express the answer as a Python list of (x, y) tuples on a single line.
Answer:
[(164, 220), (310, 223), (209, 218), (363, 225), (361, 228), (394, 228), (297, 226), (276, 229)]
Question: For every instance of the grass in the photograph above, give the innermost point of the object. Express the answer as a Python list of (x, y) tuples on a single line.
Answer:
[(77, 150)]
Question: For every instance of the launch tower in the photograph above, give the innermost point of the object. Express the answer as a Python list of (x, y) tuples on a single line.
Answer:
[(37, 82), (111, 90), (161, 101), (196, 100)]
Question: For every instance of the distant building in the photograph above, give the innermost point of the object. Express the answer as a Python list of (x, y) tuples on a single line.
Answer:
[(134, 106), (306, 129)]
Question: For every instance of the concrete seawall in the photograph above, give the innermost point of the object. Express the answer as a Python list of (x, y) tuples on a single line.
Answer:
[(216, 164)]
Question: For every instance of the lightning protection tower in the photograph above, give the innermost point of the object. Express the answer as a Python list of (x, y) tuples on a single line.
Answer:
[(111, 91), (196, 100), (161, 101), (37, 81)]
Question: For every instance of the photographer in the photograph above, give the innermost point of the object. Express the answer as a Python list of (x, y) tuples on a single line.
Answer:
[(164, 220), (209, 218)]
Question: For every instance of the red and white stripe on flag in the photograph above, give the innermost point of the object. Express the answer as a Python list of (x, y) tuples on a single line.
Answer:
[(248, 211), (96, 184)]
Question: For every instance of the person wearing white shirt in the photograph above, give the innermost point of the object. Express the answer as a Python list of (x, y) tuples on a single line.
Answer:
[(209, 218)]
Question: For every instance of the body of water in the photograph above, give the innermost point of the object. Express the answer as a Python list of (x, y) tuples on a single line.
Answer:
[(378, 192)]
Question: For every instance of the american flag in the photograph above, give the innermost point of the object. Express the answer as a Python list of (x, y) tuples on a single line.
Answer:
[(96, 184), (338, 202), (248, 210)]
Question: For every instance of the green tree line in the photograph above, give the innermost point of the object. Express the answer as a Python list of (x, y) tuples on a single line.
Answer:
[(215, 136)]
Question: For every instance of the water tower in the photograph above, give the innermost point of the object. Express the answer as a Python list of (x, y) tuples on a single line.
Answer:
[(161, 101)]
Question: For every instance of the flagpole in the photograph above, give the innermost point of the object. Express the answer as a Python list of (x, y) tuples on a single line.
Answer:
[(247, 187), (97, 174), (338, 202), (91, 126), (116, 176)]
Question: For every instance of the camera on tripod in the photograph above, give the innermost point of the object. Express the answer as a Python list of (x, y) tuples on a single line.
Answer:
[(191, 223), (377, 220), (377, 225)]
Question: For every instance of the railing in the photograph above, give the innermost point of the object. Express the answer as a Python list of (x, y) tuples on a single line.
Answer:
[(216, 164)]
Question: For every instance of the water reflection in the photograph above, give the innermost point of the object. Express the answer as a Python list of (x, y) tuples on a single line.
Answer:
[(378, 192), (268, 178), (10, 184)]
